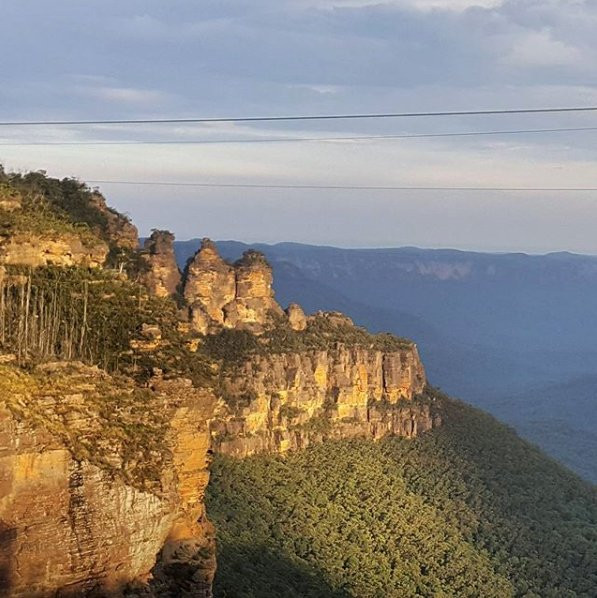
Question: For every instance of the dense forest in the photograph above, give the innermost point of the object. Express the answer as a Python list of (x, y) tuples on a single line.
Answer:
[(467, 510)]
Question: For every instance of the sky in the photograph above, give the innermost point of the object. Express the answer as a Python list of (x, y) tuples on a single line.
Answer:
[(69, 59)]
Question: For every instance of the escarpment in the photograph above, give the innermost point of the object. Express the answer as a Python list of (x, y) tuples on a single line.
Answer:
[(102, 469), (102, 484), (351, 387), (35, 251), (287, 379), (46, 221), (32, 235), (119, 376)]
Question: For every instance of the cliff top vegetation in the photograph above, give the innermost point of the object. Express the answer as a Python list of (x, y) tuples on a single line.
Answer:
[(105, 420), (234, 346), (54, 207)]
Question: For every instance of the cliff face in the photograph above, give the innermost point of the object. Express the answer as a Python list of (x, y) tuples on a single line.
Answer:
[(102, 478), (92, 489), (67, 250), (285, 401), (33, 233), (162, 276), (117, 228), (229, 296), (302, 379)]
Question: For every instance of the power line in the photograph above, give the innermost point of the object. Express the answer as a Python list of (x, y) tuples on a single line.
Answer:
[(299, 117), (337, 187), (296, 139)]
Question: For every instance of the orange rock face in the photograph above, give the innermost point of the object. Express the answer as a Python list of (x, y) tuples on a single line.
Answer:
[(285, 401), (221, 295), (162, 276), (69, 525), (296, 317), (209, 285), (35, 251)]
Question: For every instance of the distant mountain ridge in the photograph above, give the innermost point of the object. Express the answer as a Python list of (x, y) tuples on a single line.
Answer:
[(489, 326)]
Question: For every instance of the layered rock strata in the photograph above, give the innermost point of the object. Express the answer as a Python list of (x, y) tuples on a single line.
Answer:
[(66, 250), (231, 296), (281, 402), (162, 275), (89, 498)]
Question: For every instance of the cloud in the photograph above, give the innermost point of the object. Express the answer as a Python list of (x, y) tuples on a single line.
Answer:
[(318, 89), (125, 95), (423, 5), (540, 49), (113, 59)]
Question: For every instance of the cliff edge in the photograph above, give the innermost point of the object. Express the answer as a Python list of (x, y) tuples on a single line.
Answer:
[(102, 484)]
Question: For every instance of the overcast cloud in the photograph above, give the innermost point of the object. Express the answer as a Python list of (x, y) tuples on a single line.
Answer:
[(147, 58)]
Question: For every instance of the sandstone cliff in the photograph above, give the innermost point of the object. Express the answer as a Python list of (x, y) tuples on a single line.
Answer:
[(232, 296), (114, 227), (303, 378), (45, 221), (102, 477), (161, 276), (354, 384), (33, 234), (97, 478), (41, 250)]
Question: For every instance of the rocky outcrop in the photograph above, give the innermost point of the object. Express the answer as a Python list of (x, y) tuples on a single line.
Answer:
[(209, 285), (118, 230), (102, 480), (97, 479), (279, 402), (65, 250), (187, 562), (162, 275), (254, 304), (296, 317), (230, 296)]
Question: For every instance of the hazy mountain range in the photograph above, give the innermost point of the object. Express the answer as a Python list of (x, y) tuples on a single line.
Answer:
[(515, 334)]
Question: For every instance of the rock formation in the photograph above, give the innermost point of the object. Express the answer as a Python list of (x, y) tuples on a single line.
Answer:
[(102, 477), (229, 296), (254, 304), (162, 276), (281, 399), (296, 317), (31, 235), (66, 250), (119, 231), (278, 402), (209, 285), (97, 478)]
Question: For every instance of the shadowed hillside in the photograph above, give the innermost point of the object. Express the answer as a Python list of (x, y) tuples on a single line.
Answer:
[(468, 509)]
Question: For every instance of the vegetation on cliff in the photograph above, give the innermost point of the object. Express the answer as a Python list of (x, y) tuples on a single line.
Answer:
[(59, 206), (35, 215), (466, 510), (104, 420), (232, 346), (95, 316)]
